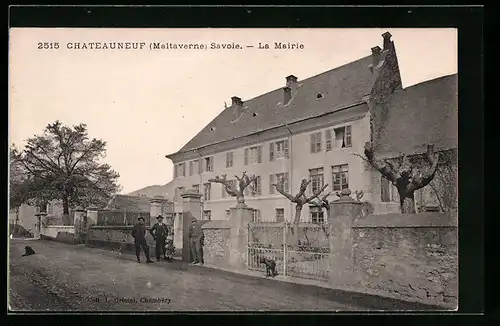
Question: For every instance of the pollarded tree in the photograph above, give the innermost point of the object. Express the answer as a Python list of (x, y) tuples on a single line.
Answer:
[(235, 190), (64, 164), (300, 199), (406, 176)]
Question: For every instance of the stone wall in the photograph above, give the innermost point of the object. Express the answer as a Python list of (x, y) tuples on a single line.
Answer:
[(120, 218), (116, 237), (412, 257), (61, 233), (217, 242)]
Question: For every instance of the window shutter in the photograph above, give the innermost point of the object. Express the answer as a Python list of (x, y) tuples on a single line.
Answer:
[(259, 154), (384, 189), (246, 156), (319, 141), (328, 136), (348, 136), (287, 154), (286, 181), (313, 143), (200, 165), (272, 180), (183, 170), (175, 170), (211, 163), (271, 151), (259, 186)]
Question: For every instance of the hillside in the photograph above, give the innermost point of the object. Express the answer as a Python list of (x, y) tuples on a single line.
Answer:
[(155, 190)]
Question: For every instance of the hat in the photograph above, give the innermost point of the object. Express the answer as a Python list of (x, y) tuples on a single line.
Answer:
[(141, 218), (159, 216)]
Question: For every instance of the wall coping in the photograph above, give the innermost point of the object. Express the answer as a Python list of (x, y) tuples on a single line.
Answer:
[(398, 220), (115, 227), (60, 226), (217, 224)]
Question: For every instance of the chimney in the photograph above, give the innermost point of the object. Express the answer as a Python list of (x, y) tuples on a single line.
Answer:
[(237, 105), (287, 91), (387, 40), (291, 81), (376, 55)]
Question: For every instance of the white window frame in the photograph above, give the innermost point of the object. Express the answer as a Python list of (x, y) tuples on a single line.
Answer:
[(229, 159), (343, 168), (316, 213), (207, 191), (256, 215), (208, 163), (276, 215), (275, 178), (196, 187), (253, 155), (315, 139), (321, 176), (347, 138)]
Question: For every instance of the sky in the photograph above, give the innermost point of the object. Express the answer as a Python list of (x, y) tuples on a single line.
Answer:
[(149, 103)]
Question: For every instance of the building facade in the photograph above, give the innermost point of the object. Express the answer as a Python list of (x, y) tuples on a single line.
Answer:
[(313, 129)]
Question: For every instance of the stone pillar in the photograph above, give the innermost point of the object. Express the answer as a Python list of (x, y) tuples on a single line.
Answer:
[(241, 215), (191, 201), (79, 223), (41, 219), (343, 212), (92, 212), (157, 204)]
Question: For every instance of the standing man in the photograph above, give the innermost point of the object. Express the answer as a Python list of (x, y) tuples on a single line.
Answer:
[(159, 232), (139, 235), (196, 238)]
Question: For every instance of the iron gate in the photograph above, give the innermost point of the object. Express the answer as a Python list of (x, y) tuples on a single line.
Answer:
[(303, 255)]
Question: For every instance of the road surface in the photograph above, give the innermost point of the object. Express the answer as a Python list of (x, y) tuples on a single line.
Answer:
[(62, 277)]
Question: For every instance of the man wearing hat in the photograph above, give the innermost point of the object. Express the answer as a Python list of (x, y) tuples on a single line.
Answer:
[(159, 232), (139, 235), (196, 238)]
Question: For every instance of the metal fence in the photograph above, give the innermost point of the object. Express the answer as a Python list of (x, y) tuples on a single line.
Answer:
[(303, 255)]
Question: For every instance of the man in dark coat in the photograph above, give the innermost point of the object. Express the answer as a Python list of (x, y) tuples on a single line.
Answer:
[(196, 238), (139, 235), (159, 231)]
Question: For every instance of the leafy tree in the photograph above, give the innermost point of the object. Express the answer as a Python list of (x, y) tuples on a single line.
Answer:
[(19, 185), (63, 163)]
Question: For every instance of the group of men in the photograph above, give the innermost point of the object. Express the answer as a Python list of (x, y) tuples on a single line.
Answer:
[(164, 241)]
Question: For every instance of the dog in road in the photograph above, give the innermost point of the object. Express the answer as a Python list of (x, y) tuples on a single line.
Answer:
[(28, 251), (270, 266)]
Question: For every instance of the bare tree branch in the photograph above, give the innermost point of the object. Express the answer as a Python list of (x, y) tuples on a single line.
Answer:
[(280, 188), (380, 165), (316, 193), (422, 179)]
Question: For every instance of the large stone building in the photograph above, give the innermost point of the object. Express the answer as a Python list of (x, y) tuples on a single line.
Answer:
[(310, 129)]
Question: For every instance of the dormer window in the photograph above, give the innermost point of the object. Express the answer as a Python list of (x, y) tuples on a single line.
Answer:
[(319, 96), (212, 129), (254, 114)]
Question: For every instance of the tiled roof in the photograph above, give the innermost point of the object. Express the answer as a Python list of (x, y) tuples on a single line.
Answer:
[(130, 203), (340, 87), (426, 113)]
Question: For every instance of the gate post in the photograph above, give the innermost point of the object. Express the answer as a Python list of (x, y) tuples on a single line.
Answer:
[(285, 247), (343, 212), (78, 224), (190, 209)]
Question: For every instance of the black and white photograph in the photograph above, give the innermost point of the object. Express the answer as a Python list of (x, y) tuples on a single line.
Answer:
[(233, 170)]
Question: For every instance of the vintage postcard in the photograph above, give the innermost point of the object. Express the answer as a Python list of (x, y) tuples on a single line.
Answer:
[(233, 170)]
